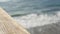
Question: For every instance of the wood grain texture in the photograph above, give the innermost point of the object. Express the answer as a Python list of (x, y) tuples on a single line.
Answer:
[(9, 26)]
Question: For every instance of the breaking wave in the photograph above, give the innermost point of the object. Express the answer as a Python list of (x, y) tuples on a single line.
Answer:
[(33, 20)]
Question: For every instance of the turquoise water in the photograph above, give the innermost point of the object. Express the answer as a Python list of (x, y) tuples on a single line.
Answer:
[(31, 6)]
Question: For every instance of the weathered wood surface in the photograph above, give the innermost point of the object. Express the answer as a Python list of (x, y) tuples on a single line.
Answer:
[(9, 26)]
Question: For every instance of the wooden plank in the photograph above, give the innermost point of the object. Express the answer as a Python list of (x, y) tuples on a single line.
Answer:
[(9, 26)]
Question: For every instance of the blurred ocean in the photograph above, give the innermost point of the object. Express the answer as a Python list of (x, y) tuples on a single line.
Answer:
[(34, 15)]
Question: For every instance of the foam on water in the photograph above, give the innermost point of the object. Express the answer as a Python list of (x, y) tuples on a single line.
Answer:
[(33, 20)]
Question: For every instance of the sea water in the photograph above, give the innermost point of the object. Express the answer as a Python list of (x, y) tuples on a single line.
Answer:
[(35, 15)]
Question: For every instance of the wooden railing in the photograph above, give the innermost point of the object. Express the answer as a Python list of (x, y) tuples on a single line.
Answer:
[(9, 26)]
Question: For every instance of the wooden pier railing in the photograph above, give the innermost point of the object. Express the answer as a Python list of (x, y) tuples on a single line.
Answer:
[(9, 26)]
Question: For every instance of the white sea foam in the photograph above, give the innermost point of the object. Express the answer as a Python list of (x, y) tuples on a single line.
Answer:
[(33, 20)]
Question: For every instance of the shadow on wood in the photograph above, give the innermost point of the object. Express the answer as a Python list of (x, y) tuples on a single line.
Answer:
[(9, 26)]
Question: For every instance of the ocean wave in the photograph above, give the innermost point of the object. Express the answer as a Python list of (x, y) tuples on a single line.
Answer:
[(33, 20)]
